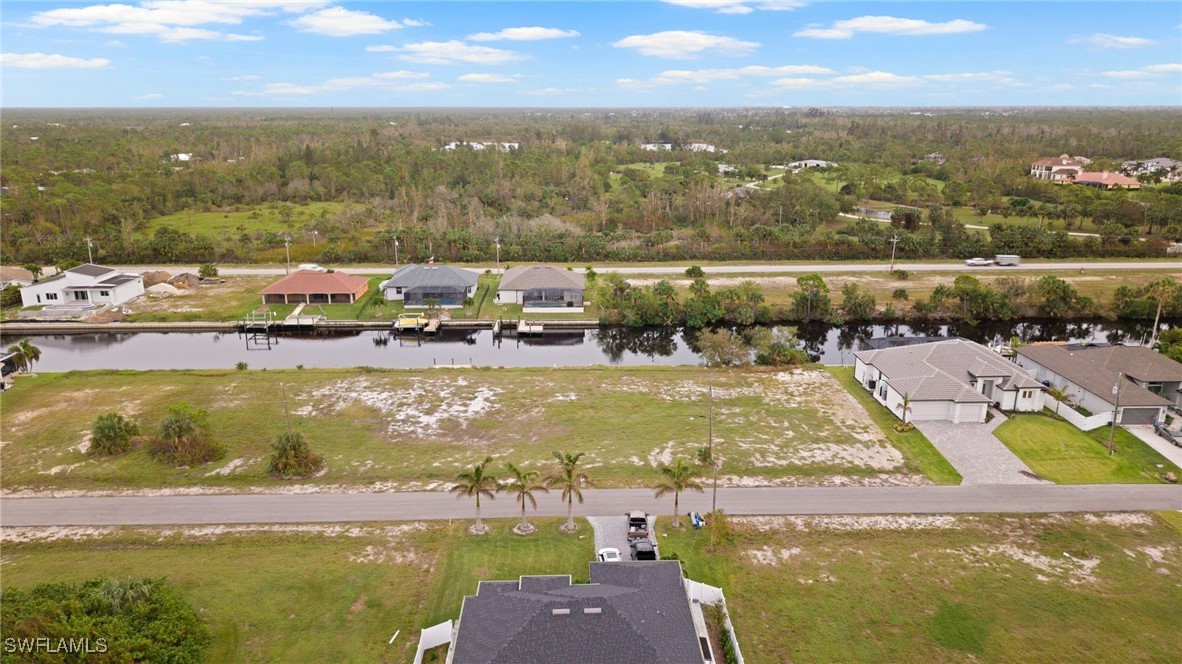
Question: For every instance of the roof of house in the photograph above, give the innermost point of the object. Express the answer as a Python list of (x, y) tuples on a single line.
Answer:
[(944, 370), (630, 612), (1106, 178), (879, 343), (1095, 369), (91, 270), (1058, 161), (8, 274), (411, 276), (311, 281), (527, 277)]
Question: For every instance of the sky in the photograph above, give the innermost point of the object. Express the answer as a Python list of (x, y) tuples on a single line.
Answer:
[(655, 53)]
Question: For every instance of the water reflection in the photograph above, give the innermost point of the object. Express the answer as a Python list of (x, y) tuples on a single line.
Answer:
[(614, 346)]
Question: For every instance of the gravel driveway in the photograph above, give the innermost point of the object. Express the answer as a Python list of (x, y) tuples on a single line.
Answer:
[(976, 453)]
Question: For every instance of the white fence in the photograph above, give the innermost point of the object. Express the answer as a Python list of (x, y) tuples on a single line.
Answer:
[(704, 594), (430, 637), (1081, 422)]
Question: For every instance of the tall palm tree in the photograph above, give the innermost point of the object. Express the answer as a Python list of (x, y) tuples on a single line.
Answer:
[(571, 480), (906, 405), (476, 482), (26, 354), (522, 484), (679, 477)]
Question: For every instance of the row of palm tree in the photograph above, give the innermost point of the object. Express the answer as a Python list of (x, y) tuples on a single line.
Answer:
[(523, 485)]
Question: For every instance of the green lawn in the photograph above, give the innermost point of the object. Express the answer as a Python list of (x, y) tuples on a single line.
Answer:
[(1012, 588), (414, 429), (1063, 454), (248, 219), (919, 451), (310, 593)]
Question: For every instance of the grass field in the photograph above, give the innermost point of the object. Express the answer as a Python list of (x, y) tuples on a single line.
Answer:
[(1063, 454), (415, 429), (309, 593), (1095, 588), (259, 218)]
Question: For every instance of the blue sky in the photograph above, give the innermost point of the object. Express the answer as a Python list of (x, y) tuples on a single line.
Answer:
[(657, 53)]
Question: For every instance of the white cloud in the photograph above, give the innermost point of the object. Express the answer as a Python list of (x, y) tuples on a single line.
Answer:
[(401, 74), (1101, 40), (341, 22), (738, 6), (889, 25), (151, 95), (683, 44), (244, 77), (702, 76), (878, 78), (450, 52), (489, 78), (999, 77), (1148, 71), (396, 81), (412, 23), (50, 61), (423, 87), (169, 20), (524, 34), (798, 83)]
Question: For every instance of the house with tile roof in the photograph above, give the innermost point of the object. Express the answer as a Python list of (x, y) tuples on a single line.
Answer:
[(956, 380), (1089, 376), (316, 287), (542, 288), (1106, 180), (417, 285), (629, 612), (1058, 169), (87, 286)]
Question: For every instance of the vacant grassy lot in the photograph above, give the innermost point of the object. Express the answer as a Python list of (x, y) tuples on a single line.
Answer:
[(415, 429), (307, 593), (261, 218), (1065, 455), (232, 300), (1094, 588)]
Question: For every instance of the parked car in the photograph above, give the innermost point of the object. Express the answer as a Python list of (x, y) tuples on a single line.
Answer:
[(978, 262), (312, 266), (643, 549), (1172, 435), (637, 524), (609, 555)]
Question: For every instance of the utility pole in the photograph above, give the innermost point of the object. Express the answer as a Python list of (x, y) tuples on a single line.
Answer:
[(395, 252), (713, 468), (286, 412), (287, 250), (314, 234), (89, 256), (894, 243), (1115, 412), (498, 241)]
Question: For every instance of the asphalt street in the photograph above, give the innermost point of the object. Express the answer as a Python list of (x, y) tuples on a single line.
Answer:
[(328, 507)]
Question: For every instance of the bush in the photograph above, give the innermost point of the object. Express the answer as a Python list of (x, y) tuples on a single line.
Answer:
[(10, 296), (292, 458), (241, 366), (695, 272), (904, 427), (900, 294), (112, 434), (900, 274), (133, 620), (207, 270), (185, 438)]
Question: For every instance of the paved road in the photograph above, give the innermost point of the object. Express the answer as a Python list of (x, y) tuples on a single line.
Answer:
[(787, 268), (317, 508)]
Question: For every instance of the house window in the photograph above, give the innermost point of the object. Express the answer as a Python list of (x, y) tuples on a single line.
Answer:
[(104, 293), (882, 389), (398, 290), (51, 296), (1153, 387), (1026, 394)]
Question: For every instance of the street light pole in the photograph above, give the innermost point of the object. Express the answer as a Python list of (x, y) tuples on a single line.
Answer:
[(498, 241), (713, 470), (395, 252), (1115, 412), (89, 256), (894, 243), (287, 251)]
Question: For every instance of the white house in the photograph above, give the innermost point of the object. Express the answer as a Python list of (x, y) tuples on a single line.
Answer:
[(656, 147), (812, 163), (482, 145), (87, 284), (953, 380), (1058, 169), (700, 147)]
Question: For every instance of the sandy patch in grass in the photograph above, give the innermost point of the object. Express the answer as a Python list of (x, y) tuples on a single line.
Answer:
[(234, 467), (1120, 519), (851, 523), (56, 533), (1069, 568), (877, 479), (84, 445), (421, 408), (64, 468), (878, 457), (773, 557), (661, 455)]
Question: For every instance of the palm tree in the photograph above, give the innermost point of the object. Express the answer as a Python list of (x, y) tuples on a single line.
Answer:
[(679, 477), (476, 482), (522, 484), (571, 480), (906, 405), (26, 354)]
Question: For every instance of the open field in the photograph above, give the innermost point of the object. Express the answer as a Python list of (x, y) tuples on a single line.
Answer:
[(415, 429), (1063, 454), (1097, 588), (248, 219), (305, 593)]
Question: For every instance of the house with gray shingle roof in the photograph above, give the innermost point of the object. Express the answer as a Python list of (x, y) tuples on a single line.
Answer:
[(416, 285), (955, 380), (542, 288), (87, 286), (629, 612)]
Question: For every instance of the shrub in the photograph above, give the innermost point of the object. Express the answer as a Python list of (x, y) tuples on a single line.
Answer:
[(10, 296), (185, 438), (695, 272), (900, 294), (904, 427), (207, 270), (720, 526), (241, 366), (292, 458), (112, 434), (900, 273), (138, 620)]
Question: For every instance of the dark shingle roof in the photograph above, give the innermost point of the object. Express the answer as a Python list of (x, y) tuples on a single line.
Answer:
[(527, 277), (412, 276), (119, 279), (943, 370), (630, 612), (91, 270), (1096, 369)]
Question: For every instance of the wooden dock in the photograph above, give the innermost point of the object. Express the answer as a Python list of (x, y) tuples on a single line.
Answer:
[(530, 328), (432, 327)]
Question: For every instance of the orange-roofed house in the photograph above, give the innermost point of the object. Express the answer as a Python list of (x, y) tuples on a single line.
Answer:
[(312, 287), (1107, 180)]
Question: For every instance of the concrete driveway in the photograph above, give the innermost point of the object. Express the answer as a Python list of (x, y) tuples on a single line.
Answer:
[(1168, 450), (612, 531), (976, 453)]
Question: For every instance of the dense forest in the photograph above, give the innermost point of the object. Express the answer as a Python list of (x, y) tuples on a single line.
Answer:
[(578, 186)]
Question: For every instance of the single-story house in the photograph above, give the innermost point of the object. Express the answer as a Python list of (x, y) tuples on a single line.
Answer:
[(953, 380), (629, 612), (316, 287), (1088, 374), (15, 276), (87, 284), (542, 287), (811, 163), (1106, 180), (414, 285)]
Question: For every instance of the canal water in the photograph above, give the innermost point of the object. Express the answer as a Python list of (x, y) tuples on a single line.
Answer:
[(605, 346)]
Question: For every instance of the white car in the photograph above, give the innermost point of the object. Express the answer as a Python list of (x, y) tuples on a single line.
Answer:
[(312, 266), (609, 555), (978, 262)]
